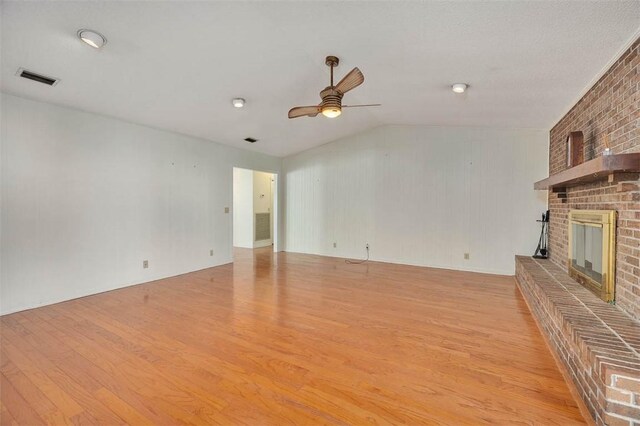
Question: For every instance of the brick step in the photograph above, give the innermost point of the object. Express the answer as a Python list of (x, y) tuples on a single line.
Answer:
[(598, 344)]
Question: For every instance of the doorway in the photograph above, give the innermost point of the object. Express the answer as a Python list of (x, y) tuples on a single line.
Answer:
[(255, 210)]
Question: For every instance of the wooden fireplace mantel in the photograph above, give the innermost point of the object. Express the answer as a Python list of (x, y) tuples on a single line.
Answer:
[(599, 168)]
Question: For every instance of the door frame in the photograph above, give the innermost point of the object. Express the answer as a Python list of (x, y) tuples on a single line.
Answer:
[(276, 206)]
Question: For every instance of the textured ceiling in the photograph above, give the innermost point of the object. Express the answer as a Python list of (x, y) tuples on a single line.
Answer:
[(176, 65)]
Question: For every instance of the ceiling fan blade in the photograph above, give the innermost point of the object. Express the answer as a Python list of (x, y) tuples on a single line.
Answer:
[(309, 111), (350, 81), (356, 106)]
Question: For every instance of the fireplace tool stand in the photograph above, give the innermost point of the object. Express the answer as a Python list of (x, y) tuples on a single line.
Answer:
[(541, 250)]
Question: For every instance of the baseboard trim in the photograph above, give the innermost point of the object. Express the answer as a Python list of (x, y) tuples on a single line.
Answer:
[(94, 291), (394, 261)]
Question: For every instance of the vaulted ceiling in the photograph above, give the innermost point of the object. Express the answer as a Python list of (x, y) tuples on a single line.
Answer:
[(177, 65)]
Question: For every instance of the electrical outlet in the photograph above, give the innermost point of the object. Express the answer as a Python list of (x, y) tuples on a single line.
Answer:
[(466, 256), (226, 209), (145, 264), (211, 252), (367, 246), (335, 245)]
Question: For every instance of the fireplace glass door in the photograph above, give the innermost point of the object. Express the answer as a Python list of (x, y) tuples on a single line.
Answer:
[(587, 250), (592, 250)]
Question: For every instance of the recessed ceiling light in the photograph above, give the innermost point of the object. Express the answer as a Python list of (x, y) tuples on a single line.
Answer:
[(237, 102), (459, 87), (92, 38)]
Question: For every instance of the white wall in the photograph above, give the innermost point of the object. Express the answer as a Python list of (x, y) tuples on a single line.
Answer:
[(243, 222), (87, 198), (420, 196)]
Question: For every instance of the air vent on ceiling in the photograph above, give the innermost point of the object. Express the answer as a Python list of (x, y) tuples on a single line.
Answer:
[(50, 81), (251, 140)]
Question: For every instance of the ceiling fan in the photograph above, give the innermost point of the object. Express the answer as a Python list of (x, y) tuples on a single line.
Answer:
[(331, 105)]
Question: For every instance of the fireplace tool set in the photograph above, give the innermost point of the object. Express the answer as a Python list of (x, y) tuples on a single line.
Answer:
[(541, 250)]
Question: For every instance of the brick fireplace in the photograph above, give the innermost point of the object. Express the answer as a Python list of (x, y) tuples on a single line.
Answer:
[(611, 108), (596, 344)]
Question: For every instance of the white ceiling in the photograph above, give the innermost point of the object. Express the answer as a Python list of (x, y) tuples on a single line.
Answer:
[(176, 65)]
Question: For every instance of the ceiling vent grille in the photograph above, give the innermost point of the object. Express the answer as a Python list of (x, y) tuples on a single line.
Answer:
[(251, 140), (50, 81)]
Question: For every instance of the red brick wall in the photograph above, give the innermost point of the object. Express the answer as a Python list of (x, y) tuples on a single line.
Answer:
[(611, 107)]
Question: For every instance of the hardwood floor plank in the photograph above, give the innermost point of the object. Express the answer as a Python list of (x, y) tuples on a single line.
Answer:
[(45, 409), (64, 388), (121, 408), (286, 339), (147, 389), (63, 401), (19, 408), (5, 416)]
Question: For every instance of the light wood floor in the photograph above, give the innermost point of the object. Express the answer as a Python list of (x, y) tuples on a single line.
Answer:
[(286, 339)]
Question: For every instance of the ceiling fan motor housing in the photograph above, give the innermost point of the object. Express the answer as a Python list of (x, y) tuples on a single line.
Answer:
[(331, 98)]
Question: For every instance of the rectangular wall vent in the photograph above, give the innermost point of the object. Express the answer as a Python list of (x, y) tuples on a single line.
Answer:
[(263, 226), (50, 81), (251, 140)]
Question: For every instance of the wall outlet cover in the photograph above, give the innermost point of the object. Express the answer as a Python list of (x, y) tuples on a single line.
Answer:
[(145, 264)]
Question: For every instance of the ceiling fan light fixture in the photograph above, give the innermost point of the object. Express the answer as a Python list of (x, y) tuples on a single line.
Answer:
[(238, 102), (331, 111), (331, 104), (459, 87), (92, 38)]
